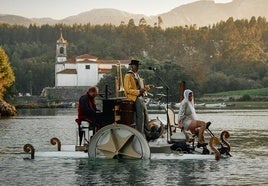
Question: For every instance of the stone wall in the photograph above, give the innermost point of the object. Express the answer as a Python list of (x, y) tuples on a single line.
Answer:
[(71, 94), (30, 101), (50, 96)]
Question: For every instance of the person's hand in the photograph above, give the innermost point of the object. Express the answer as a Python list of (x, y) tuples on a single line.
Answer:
[(142, 90)]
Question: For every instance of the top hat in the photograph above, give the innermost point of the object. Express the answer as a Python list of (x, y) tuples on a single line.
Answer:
[(134, 62)]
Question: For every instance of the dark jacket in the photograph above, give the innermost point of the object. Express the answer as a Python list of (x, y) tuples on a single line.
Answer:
[(87, 108)]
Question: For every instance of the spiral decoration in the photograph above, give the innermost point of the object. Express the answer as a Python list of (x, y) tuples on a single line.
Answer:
[(225, 134), (215, 141), (54, 141), (28, 148)]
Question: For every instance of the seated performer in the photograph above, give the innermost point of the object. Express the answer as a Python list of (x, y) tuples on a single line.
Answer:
[(188, 118), (87, 110), (87, 107)]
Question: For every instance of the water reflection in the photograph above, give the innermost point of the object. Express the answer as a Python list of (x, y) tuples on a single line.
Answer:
[(248, 166), (108, 172)]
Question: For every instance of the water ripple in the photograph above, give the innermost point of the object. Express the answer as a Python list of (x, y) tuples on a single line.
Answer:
[(248, 166)]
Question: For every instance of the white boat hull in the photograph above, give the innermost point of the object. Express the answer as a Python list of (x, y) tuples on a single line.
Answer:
[(68, 151), (121, 141)]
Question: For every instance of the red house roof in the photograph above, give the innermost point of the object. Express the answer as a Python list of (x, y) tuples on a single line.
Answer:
[(68, 71), (86, 56)]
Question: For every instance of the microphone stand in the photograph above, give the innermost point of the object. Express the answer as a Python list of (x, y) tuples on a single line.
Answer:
[(168, 122)]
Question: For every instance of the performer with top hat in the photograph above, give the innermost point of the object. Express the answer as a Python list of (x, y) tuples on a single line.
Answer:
[(135, 91)]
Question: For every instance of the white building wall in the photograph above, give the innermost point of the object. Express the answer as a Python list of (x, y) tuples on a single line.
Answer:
[(70, 66), (61, 59), (67, 79), (87, 77), (59, 67)]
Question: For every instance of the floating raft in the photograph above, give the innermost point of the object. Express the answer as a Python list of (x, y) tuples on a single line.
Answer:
[(154, 156), (123, 142), (68, 151)]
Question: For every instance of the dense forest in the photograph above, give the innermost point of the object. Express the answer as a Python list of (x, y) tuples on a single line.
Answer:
[(229, 55)]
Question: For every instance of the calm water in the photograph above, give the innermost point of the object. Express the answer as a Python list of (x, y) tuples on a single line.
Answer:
[(248, 166)]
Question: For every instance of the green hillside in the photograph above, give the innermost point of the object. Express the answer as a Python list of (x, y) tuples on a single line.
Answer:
[(227, 56), (251, 92)]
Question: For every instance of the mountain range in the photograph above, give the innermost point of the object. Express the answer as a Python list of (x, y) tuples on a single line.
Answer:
[(199, 13)]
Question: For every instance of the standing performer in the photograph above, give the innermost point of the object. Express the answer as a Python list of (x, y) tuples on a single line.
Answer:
[(134, 91)]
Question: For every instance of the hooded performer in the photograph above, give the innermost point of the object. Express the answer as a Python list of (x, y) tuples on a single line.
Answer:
[(188, 118)]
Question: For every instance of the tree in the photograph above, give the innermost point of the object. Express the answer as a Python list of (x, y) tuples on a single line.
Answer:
[(159, 21), (6, 73), (131, 23), (142, 22)]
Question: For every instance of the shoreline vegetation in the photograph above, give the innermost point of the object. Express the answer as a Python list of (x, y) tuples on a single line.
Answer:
[(210, 105), (10, 110), (242, 99), (7, 109)]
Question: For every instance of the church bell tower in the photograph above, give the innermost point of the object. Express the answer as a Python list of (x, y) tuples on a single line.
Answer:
[(61, 49), (61, 56)]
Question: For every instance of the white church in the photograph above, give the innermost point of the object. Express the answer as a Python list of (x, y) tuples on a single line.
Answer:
[(83, 70)]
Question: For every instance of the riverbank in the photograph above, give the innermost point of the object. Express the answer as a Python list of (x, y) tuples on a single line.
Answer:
[(230, 106), (250, 105), (6, 109), (246, 105)]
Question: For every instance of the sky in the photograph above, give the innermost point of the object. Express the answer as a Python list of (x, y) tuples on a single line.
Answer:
[(59, 9)]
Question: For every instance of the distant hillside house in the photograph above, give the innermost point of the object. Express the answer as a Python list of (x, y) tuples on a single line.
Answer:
[(83, 70)]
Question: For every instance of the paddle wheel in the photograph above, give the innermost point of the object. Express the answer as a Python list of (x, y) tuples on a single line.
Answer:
[(118, 141)]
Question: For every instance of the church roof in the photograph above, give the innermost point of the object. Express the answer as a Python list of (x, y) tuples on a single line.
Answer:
[(71, 60), (67, 71), (81, 60), (123, 62), (87, 61), (86, 56), (61, 39)]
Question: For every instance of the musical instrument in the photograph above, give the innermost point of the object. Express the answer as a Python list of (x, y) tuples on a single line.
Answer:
[(155, 125), (119, 86), (119, 110)]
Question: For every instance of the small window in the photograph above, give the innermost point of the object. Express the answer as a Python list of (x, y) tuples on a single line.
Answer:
[(61, 50), (87, 66)]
